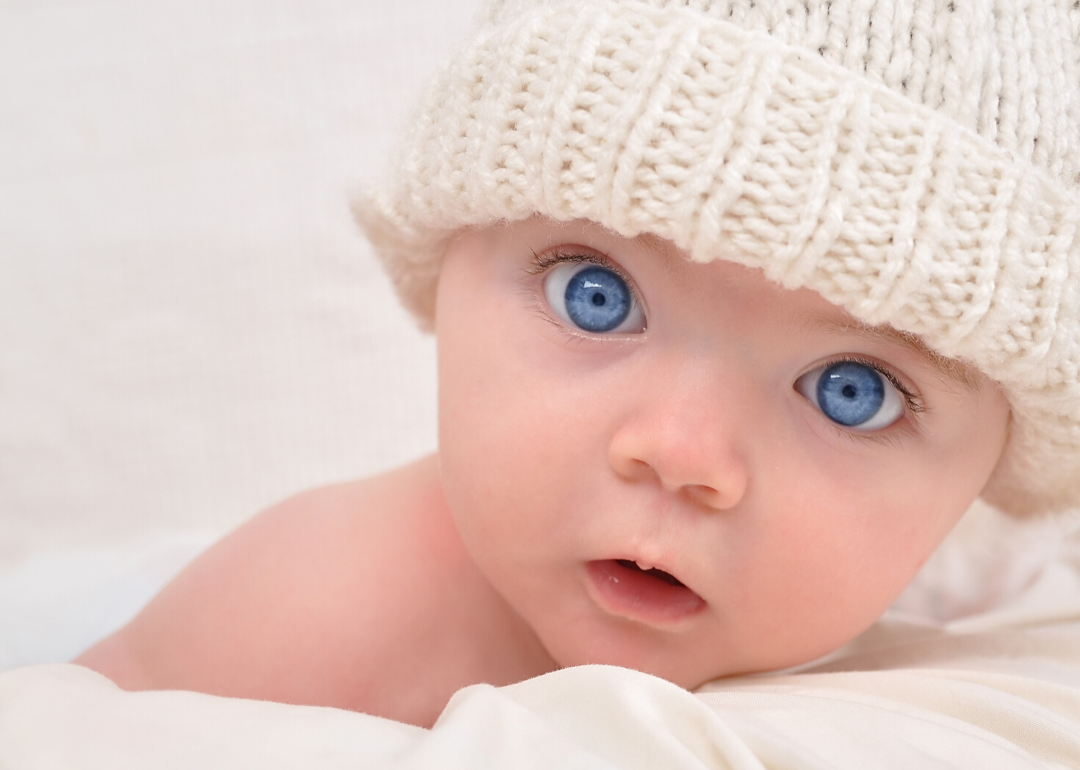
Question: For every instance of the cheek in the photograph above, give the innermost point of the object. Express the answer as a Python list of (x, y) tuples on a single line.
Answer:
[(844, 540), (886, 506), (878, 525), (504, 433)]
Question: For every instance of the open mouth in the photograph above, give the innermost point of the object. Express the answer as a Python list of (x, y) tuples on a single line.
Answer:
[(645, 593), (659, 574)]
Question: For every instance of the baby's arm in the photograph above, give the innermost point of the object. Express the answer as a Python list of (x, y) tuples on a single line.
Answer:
[(352, 595)]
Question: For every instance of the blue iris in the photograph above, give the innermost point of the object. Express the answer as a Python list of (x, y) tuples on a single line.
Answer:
[(597, 299), (850, 393)]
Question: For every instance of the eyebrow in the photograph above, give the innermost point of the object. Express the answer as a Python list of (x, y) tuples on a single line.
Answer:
[(950, 368)]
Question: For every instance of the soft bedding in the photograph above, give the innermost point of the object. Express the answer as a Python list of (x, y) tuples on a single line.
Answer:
[(949, 707)]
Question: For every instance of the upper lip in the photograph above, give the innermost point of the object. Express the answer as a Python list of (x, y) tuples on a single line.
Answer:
[(649, 564)]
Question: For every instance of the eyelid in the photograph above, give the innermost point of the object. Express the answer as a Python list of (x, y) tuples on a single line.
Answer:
[(545, 260)]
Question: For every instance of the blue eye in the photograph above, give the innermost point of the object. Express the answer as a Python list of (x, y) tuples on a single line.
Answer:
[(852, 394), (593, 298)]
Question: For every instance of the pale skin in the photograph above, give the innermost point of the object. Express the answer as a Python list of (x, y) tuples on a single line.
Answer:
[(571, 461)]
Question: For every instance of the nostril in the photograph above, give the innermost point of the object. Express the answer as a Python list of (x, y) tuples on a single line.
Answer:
[(634, 469), (702, 494)]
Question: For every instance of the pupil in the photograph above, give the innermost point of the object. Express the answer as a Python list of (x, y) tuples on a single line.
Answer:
[(850, 393), (597, 299)]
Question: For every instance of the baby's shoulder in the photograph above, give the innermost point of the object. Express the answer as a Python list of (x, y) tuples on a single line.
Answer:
[(356, 531), (398, 495), (312, 601)]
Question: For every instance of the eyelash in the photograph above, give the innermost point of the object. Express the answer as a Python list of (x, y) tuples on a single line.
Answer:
[(543, 262)]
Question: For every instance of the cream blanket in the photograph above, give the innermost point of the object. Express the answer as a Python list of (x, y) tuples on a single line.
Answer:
[(986, 701)]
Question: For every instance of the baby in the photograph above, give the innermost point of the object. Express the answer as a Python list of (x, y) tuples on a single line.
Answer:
[(739, 306)]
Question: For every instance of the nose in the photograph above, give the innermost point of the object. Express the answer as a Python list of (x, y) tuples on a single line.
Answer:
[(687, 440)]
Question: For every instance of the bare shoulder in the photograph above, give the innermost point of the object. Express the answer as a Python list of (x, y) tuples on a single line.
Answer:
[(313, 601)]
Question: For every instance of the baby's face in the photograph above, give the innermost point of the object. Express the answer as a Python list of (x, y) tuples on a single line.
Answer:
[(682, 468)]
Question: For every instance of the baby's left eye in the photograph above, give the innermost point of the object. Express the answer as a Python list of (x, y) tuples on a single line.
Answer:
[(853, 394), (593, 297)]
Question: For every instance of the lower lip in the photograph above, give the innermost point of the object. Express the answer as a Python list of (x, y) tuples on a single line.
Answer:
[(632, 594)]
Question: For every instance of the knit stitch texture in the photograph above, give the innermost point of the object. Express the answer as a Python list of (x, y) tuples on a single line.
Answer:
[(916, 162)]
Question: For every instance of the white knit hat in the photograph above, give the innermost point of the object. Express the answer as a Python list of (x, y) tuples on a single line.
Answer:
[(916, 162)]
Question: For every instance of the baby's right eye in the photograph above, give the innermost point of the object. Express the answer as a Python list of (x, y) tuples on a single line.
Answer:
[(593, 298), (853, 394)]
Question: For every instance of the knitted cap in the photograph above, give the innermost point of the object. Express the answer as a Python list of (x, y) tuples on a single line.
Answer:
[(916, 162)]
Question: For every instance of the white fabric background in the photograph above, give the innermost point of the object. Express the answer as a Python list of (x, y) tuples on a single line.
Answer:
[(190, 325)]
